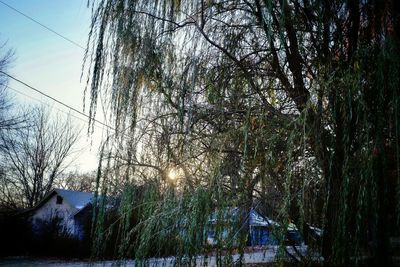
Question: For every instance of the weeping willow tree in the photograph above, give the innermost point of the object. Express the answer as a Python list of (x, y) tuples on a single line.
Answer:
[(289, 106)]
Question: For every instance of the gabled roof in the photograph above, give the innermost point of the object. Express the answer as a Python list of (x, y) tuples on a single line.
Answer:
[(256, 219), (106, 202), (76, 199)]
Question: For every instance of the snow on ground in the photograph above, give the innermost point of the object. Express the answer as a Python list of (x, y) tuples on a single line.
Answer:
[(266, 255)]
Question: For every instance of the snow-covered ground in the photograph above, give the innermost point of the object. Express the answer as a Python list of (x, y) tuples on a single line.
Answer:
[(264, 255)]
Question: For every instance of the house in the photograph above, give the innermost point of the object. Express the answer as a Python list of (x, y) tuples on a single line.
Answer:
[(224, 225), (63, 208), (261, 230)]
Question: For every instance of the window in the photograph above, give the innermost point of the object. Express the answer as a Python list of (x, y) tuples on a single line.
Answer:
[(59, 200), (211, 233)]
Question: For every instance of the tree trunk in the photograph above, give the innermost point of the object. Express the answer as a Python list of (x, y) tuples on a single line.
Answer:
[(334, 176)]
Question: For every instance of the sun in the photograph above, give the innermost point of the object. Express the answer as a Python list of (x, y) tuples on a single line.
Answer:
[(174, 174)]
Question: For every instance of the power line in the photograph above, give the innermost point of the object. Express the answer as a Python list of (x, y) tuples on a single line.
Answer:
[(47, 104), (56, 100), (44, 26)]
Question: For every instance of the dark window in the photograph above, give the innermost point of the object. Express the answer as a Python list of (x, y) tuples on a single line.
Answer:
[(211, 233), (59, 200)]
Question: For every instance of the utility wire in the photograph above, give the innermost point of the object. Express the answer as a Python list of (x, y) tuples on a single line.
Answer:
[(47, 104), (44, 26), (56, 100)]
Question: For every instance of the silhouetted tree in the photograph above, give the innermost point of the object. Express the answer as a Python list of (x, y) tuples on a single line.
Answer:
[(34, 157)]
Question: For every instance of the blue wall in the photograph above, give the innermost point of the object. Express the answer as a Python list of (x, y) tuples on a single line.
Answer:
[(261, 236)]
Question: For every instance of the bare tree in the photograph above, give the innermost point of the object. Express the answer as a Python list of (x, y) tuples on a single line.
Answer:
[(8, 117), (34, 157), (6, 56), (78, 181), (10, 120)]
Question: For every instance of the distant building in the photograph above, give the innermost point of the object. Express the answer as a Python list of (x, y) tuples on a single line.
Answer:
[(224, 226), (261, 230), (64, 209)]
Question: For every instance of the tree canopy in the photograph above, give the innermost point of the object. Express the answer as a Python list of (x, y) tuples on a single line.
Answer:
[(33, 157), (290, 106)]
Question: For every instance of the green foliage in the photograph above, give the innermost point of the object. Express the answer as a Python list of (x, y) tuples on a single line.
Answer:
[(287, 106)]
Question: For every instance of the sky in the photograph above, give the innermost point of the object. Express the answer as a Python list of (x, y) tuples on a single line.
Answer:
[(50, 63)]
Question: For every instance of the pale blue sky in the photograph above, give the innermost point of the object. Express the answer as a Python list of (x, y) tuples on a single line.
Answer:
[(47, 61)]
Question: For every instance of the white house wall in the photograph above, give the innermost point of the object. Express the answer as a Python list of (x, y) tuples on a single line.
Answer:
[(50, 209)]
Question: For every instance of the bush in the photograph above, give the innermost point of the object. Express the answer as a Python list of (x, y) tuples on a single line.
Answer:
[(15, 234), (47, 238)]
